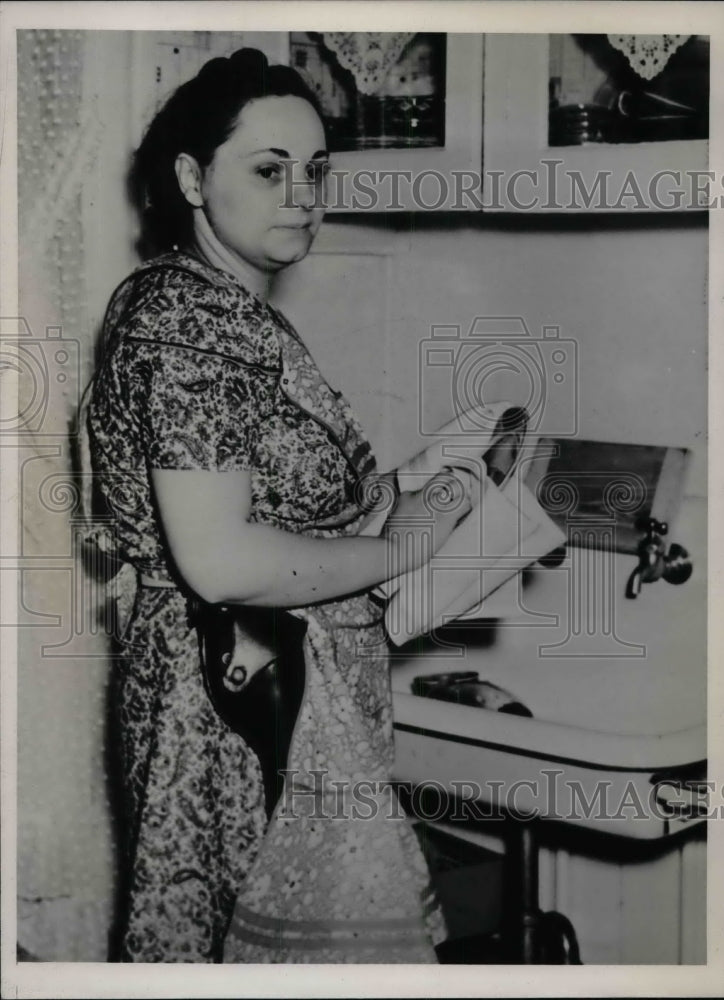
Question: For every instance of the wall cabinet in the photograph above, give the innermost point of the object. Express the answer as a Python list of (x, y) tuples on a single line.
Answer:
[(496, 154)]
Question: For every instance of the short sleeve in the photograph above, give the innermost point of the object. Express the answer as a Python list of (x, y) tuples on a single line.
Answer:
[(200, 410)]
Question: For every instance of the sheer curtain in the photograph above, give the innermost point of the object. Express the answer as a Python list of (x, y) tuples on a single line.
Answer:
[(65, 849)]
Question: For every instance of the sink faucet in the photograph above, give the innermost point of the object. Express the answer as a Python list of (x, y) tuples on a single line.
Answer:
[(654, 562)]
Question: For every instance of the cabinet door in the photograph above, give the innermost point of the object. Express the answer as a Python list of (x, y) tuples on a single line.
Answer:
[(524, 173)]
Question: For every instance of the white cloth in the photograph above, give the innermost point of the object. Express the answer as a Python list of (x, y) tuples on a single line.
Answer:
[(506, 531), (368, 55), (502, 535), (648, 54)]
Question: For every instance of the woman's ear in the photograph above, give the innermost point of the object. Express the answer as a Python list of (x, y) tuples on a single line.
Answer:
[(188, 174)]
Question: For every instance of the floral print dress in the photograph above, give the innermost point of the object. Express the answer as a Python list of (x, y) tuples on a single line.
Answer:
[(197, 373)]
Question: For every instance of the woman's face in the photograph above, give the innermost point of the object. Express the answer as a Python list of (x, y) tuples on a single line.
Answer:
[(248, 199)]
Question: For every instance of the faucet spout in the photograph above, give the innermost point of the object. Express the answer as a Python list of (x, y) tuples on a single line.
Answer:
[(633, 587)]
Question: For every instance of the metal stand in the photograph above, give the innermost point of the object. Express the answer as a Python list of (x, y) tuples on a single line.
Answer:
[(528, 936)]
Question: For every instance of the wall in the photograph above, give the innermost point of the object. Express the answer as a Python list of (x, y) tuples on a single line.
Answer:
[(631, 292)]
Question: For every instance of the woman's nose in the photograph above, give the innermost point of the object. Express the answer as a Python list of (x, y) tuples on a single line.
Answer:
[(305, 193)]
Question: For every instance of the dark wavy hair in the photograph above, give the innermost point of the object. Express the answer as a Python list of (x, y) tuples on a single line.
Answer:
[(197, 119)]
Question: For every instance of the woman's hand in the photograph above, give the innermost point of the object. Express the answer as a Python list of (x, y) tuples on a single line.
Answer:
[(423, 521), (437, 508)]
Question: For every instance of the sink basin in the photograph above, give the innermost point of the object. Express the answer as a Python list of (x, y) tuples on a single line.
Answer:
[(617, 687)]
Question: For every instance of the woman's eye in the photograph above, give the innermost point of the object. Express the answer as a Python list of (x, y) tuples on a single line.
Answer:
[(269, 171), (316, 172)]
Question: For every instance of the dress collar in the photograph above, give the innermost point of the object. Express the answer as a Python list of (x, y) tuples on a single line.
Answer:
[(215, 275)]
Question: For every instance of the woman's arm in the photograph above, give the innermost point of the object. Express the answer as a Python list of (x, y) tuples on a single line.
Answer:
[(224, 557)]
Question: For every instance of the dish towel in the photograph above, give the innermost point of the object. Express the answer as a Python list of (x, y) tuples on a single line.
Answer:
[(506, 531)]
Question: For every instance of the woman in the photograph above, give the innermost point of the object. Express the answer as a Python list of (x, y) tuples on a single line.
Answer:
[(233, 472)]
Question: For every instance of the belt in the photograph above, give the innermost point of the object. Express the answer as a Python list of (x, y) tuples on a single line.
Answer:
[(126, 584), (151, 581)]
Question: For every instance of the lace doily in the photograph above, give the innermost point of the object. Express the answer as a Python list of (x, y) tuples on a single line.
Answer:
[(368, 55), (648, 54)]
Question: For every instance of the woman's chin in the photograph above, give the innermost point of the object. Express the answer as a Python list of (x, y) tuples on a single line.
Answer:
[(290, 255)]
